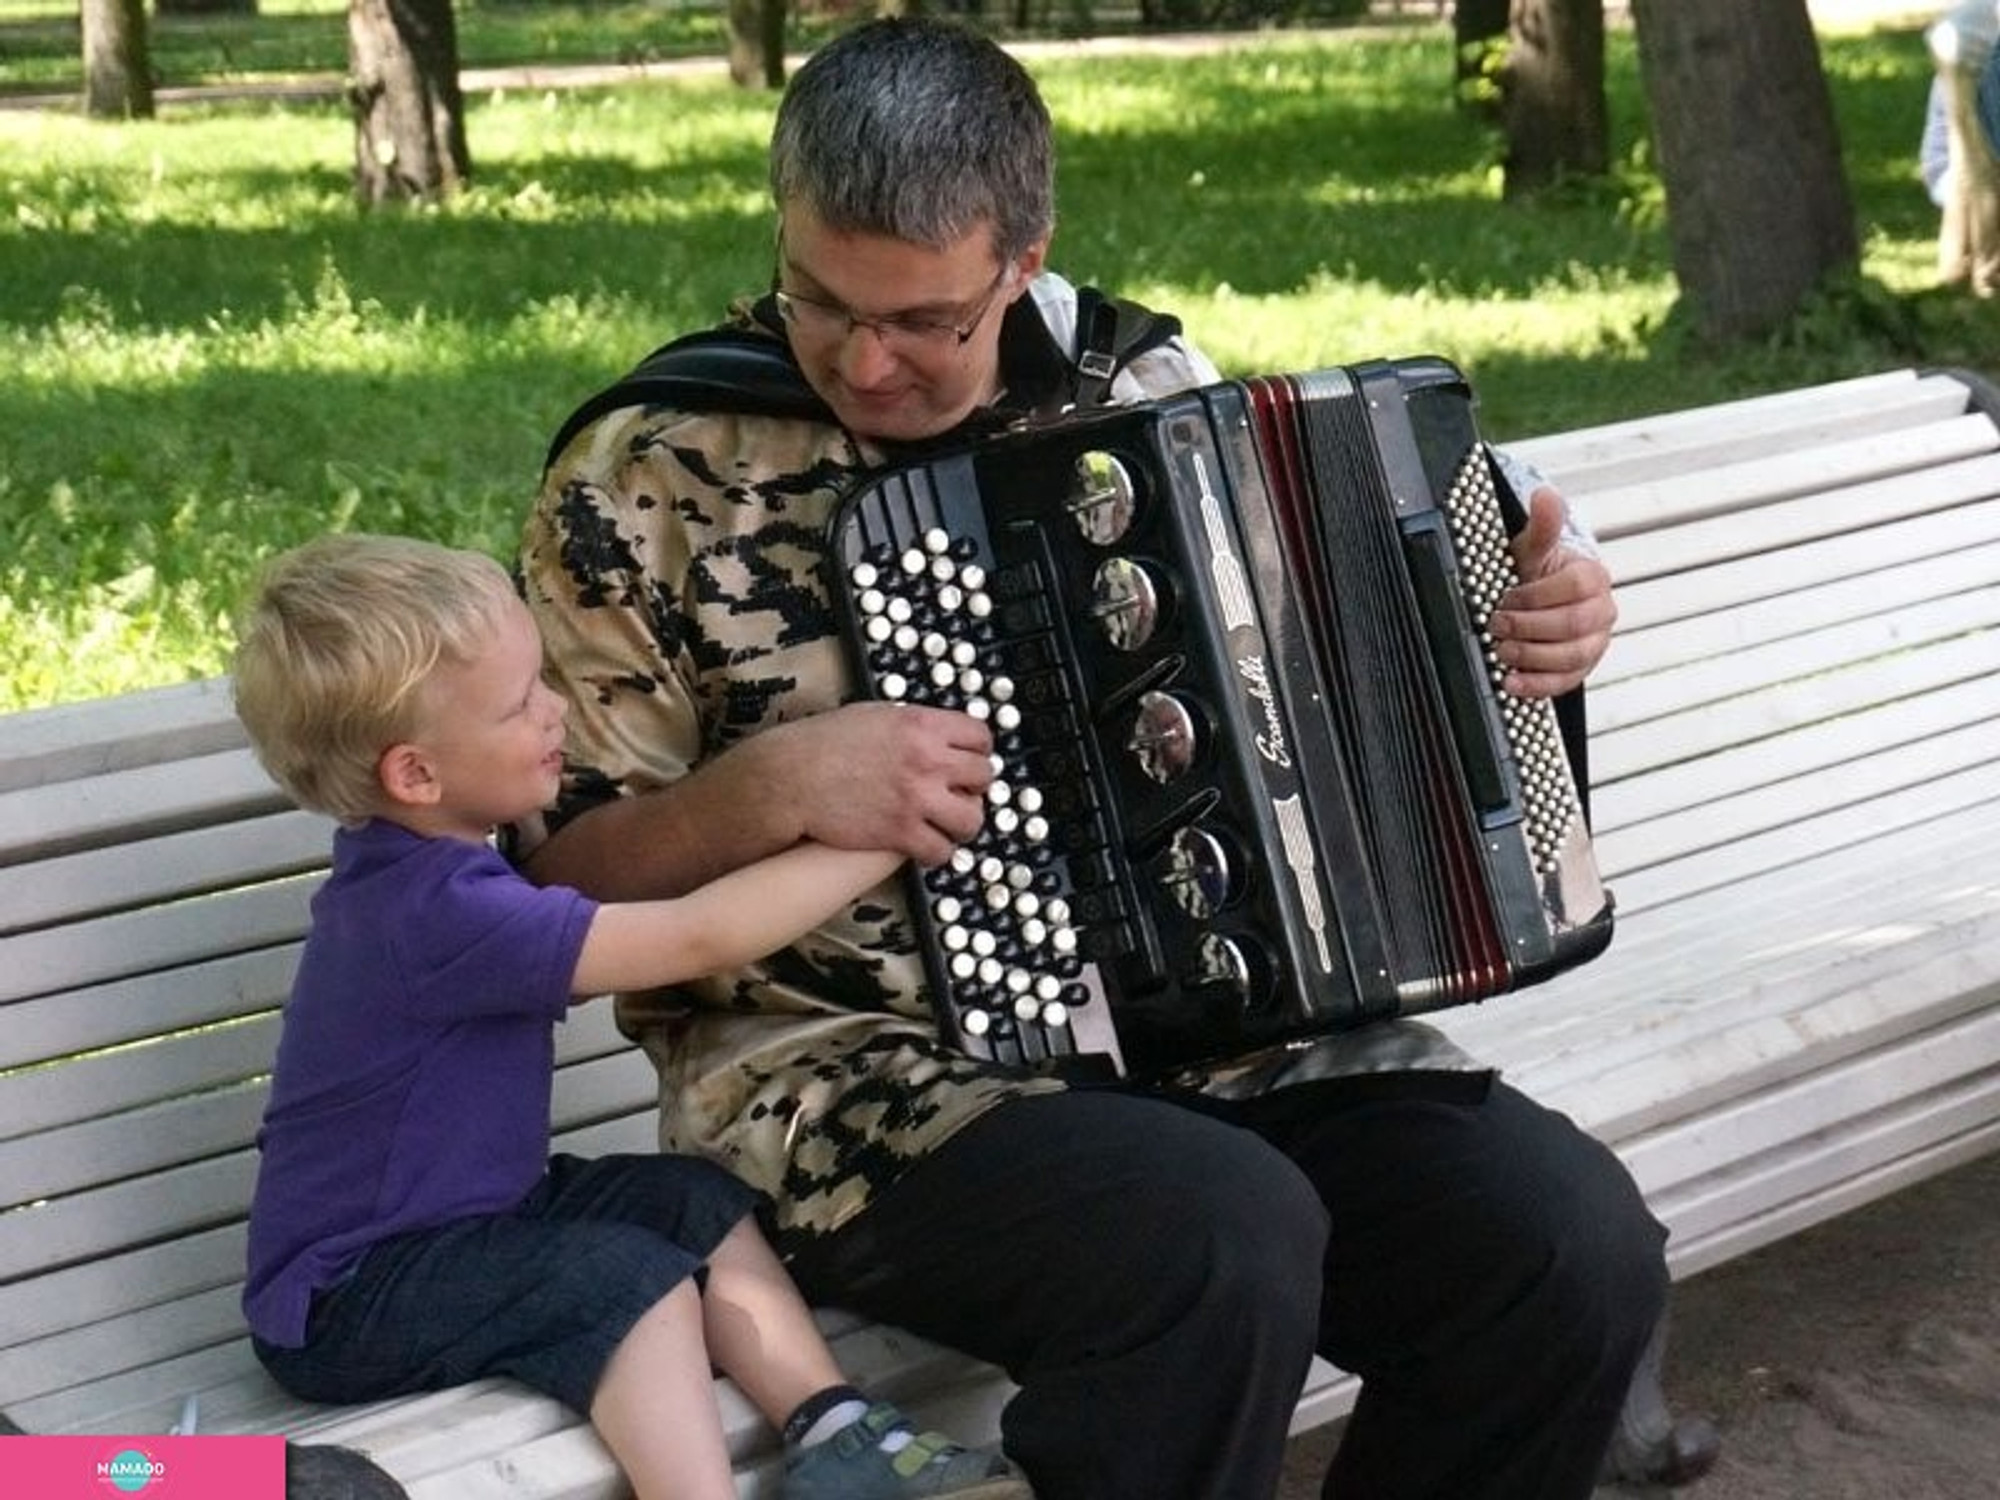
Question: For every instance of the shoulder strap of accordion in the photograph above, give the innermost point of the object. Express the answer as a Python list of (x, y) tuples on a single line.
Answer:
[(717, 369), (1111, 332), (745, 369)]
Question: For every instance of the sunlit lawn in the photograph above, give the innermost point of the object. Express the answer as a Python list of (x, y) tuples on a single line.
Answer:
[(210, 355), (40, 48)]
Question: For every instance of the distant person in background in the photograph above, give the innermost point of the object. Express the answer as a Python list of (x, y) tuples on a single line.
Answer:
[(1960, 166), (1934, 150), (1988, 102)]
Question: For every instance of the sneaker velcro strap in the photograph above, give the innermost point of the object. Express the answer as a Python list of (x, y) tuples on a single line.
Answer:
[(923, 1449)]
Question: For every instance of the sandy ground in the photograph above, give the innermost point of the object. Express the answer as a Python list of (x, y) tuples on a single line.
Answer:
[(1857, 1361)]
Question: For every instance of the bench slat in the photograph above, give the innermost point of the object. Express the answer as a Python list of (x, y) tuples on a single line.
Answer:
[(111, 1149), (1766, 533), (55, 1111), (637, 1132), (200, 860), (1773, 804), (144, 1006), (433, 1435), (36, 822), (1620, 750), (590, 1030), (85, 1355), (1833, 648), (1665, 792), (1680, 443), (1960, 1057), (146, 1395), (104, 1290), (68, 1231), (1707, 1073), (1865, 472), (173, 1001), (84, 741), (1778, 848), (1637, 650), (606, 1089), (1773, 1207), (1647, 601), (141, 942)]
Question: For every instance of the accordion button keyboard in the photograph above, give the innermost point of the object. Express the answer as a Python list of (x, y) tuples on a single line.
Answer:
[(1020, 914)]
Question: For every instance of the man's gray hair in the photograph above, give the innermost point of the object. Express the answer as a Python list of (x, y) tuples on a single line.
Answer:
[(920, 130)]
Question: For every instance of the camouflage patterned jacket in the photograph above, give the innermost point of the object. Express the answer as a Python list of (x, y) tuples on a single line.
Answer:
[(673, 563)]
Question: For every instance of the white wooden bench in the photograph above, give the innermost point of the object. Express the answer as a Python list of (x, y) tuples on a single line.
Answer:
[(1796, 806)]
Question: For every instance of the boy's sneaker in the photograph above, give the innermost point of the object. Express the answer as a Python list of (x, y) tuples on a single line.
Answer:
[(853, 1465)]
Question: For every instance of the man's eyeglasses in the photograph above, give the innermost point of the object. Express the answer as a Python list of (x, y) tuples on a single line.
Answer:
[(908, 333)]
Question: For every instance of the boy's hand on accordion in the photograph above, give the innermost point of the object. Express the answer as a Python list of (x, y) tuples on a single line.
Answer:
[(894, 776), (1551, 628)]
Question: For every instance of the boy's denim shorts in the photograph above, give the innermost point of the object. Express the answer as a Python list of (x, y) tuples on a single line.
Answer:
[(543, 1294)]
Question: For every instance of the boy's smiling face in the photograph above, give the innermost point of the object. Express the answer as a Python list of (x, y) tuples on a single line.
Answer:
[(490, 747)]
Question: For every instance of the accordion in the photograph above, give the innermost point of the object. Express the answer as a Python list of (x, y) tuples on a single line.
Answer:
[(1254, 778)]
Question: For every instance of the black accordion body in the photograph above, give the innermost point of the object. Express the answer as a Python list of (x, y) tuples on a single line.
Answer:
[(1254, 777)]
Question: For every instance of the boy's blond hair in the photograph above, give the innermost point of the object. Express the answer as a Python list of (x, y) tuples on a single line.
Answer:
[(335, 644)]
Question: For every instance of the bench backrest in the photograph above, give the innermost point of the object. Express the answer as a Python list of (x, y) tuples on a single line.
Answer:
[(1806, 647)]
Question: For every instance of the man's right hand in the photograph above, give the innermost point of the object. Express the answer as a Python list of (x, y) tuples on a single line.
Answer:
[(888, 776)]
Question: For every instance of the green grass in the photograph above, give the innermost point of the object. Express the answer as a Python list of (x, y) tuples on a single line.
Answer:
[(212, 356), (40, 48)]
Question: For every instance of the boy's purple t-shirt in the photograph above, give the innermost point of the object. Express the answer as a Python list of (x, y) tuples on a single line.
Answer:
[(416, 1062)]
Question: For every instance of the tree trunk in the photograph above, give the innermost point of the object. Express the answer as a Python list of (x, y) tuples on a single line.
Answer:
[(756, 43), (409, 118), (1757, 203), (1479, 41), (1552, 93), (117, 74)]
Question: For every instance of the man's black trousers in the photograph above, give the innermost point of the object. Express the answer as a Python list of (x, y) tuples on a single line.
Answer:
[(1156, 1277)]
